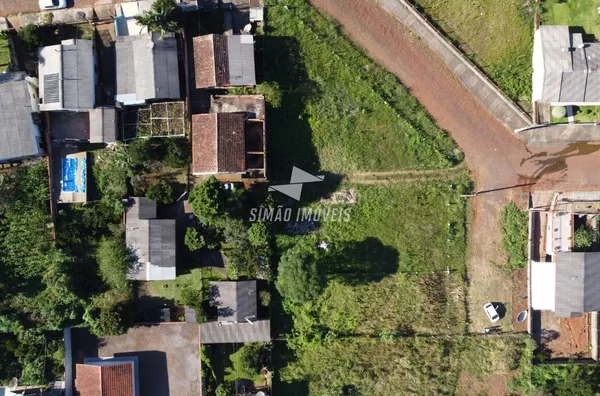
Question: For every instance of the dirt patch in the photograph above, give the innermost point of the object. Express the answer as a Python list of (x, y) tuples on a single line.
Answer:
[(494, 384), (565, 337)]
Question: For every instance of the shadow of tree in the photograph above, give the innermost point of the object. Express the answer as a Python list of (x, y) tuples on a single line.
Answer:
[(359, 262), (290, 135)]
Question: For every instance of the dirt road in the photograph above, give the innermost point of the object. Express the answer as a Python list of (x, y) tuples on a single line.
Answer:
[(498, 161)]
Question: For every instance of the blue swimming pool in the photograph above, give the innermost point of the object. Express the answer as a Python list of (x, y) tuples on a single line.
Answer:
[(70, 181)]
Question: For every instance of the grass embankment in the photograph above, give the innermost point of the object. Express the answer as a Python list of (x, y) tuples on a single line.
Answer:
[(339, 111), (496, 35)]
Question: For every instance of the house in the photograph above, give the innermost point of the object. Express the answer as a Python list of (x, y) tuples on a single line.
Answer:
[(147, 68), (20, 136), (566, 69), (117, 376), (236, 304), (230, 141), (152, 241), (103, 125), (568, 286), (224, 61), (67, 75)]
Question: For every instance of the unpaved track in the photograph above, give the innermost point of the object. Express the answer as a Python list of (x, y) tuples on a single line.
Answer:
[(495, 157)]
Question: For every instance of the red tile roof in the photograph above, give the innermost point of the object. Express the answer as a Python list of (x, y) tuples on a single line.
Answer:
[(218, 143), (211, 61), (111, 380)]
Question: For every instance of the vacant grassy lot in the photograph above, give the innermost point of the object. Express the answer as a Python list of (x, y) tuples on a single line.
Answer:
[(417, 366), (496, 35), (4, 54), (339, 111), (574, 13)]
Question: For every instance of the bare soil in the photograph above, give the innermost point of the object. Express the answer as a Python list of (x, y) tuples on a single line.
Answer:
[(566, 337), (498, 161)]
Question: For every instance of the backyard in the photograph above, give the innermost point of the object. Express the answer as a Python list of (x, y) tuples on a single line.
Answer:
[(582, 13), (496, 35), (575, 114)]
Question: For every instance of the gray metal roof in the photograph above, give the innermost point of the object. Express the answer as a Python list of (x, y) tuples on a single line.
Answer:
[(147, 68), (240, 52), (19, 136), (577, 283), (217, 333), (103, 125), (67, 76), (151, 240), (570, 66), (235, 301)]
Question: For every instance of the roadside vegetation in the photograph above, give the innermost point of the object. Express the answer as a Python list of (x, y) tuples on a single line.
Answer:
[(515, 229), (497, 36)]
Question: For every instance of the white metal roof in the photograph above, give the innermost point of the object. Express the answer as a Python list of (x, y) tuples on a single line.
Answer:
[(543, 285)]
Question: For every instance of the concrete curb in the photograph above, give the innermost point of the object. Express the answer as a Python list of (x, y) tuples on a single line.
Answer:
[(490, 96)]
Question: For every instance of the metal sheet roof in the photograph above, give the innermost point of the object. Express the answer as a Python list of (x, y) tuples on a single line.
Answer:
[(217, 333), (577, 279), (19, 136), (241, 60), (235, 301), (103, 125)]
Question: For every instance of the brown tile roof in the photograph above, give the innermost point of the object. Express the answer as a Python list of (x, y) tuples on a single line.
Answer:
[(231, 143), (204, 143), (218, 143), (112, 380), (211, 61)]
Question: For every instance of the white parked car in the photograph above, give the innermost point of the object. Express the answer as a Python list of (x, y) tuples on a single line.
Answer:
[(52, 4), (491, 312)]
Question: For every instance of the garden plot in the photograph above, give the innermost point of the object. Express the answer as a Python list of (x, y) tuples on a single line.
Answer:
[(157, 120)]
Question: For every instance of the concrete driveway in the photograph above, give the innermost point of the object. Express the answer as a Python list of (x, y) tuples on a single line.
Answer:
[(8, 7)]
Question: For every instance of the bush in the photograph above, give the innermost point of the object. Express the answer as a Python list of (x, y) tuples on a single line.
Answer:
[(177, 153), (265, 298), (194, 299), (225, 389), (251, 357), (160, 192), (515, 231), (584, 238), (259, 234), (114, 260), (105, 321), (141, 152), (30, 35), (298, 279), (193, 240)]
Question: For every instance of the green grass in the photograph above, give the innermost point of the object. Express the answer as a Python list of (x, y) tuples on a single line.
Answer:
[(417, 366), (235, 371), (4, 54), (582, 13), (496, 35), (339, 111), (197, 279), (581, 114)]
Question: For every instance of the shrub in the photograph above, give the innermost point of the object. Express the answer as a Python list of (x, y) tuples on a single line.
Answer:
[(105, 321), (194, 299), (265, 298), (298, 279), (30, 35), (225, 389), (251, 357), (141, 152), (259, 234), (584, 238), (177, 153), (515, 235), (160, 192), (207, 199), (193, 240), (114, 260)]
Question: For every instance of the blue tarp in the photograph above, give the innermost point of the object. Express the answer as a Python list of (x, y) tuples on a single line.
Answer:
[(69, 182)]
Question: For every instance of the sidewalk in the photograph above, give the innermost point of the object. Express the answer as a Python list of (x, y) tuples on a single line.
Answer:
[(472, 78), (560, 134)]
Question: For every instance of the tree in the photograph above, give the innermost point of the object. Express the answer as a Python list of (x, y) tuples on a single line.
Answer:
[(160, 192), (259, 234), (178, 152), (298, 279), (251, 357), (207, 199), (141, 152), (114, 260), (106, 321), (160, 18), (193, 240), (30, 35)]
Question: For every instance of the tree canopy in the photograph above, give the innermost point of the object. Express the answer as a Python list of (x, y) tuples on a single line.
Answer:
[(160, 18), (298, 280), (207, 199)]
